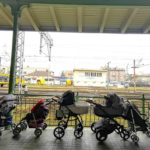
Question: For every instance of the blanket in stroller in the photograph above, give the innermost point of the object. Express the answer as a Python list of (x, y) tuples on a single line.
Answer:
[(6, 106)]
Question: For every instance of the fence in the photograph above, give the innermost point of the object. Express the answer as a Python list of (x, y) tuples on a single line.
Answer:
[(29, 101)]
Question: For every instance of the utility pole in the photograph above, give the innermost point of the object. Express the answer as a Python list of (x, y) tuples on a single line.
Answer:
[(127, 75), (134, 74), (108, 74)]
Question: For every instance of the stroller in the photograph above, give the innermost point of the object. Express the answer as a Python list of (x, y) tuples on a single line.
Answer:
[(116, 107), (6, 106), (135, 121), (35, 119), (112, 109), (69, 110)]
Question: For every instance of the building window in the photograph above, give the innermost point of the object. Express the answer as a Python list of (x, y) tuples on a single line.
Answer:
[(99, 74), (87, 74), (93, 74)]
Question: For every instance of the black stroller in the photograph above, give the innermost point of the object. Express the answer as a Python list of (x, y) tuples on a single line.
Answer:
[(35, 119), (116, 107), (69, 110), (113, 108), (136, 121), (6, 106)]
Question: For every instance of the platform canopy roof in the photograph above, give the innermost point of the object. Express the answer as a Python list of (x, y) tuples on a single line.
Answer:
[(97, 16)]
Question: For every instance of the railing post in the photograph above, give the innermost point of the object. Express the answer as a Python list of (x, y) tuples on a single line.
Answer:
[(77, 96), (143, 105)]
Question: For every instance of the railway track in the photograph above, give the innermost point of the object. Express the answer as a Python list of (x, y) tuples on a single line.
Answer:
[(93, 92)]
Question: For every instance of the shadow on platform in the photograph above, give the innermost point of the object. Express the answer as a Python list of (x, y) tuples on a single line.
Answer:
[(27, 140)]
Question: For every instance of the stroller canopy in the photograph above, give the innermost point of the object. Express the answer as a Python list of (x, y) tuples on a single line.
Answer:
[(113, 100), (37, 105), (40, 110), (68, 98), (7, 103)]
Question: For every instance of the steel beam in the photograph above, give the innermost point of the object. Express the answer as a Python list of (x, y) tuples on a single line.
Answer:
[(29, 16), (5, 16), (79, 18), (81, 2), (52, 11), (104, 19), (147, 29), (129, 20)]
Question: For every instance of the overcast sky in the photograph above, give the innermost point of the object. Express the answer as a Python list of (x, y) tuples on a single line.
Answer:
[(82, 51)]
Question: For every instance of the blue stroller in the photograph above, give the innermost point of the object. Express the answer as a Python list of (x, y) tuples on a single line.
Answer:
[(6, 106)]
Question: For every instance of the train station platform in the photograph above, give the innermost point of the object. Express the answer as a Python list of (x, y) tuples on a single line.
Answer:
[(27, 141)]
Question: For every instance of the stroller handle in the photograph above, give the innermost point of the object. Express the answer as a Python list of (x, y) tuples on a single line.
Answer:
[(90, 101), (53, 99)]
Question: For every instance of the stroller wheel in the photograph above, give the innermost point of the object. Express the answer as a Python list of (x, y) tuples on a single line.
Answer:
[(13, 126), (135, 138), (148, 133), (63, 124), (101, 136), (92, 127), (16, 131), (124, 134), (119, 129), (37, 132), (78, 134), (23, 126), (59, 132), (44, 126)]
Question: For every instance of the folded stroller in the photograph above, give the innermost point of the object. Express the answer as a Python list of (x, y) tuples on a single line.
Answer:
[(6, 106), (136, 121), (35, 119), (69, 110), (113, 108)]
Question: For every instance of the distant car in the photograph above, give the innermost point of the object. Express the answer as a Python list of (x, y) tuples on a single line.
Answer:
[(120, 86), (126, 85), (111, 84)]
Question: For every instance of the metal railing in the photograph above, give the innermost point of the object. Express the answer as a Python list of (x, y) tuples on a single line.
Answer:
[(28, 101)]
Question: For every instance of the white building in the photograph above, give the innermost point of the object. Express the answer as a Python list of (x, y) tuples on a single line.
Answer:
[(96, 78)]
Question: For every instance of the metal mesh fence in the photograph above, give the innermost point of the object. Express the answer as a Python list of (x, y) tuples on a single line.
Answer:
[(25, 107)]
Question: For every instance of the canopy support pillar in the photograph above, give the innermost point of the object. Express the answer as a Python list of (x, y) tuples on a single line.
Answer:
[(13, 53)]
